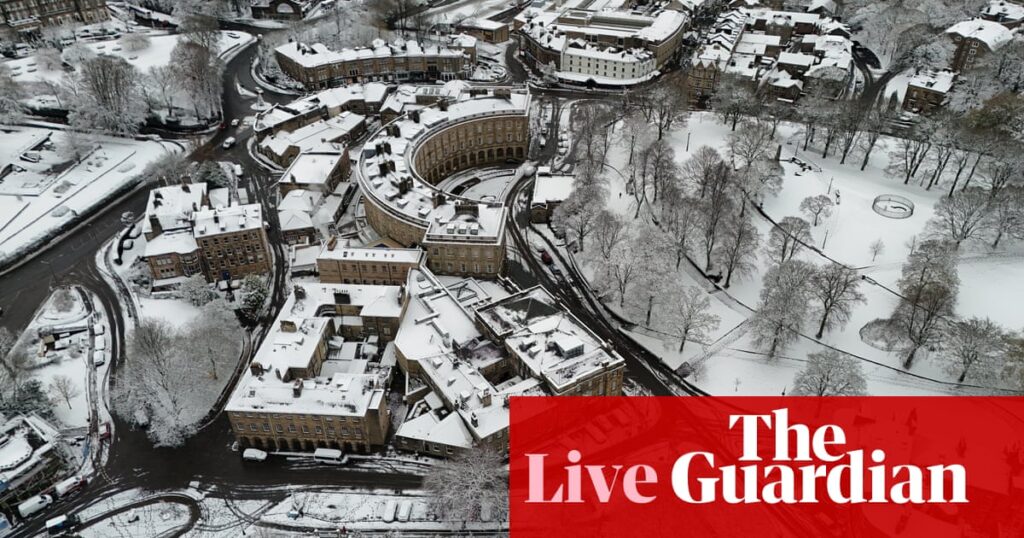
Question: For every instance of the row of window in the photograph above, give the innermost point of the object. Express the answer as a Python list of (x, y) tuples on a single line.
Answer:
[(292, 428)]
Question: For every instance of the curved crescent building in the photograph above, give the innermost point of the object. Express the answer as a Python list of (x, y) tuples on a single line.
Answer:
[(401, 164)]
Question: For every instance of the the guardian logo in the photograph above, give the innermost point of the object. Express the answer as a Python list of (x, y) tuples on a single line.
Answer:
[(805, 467)]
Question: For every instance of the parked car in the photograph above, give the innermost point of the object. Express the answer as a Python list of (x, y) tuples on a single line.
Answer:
[(127, 217), (70, 485), (228, 142), (254, 454), (237, 169), (61, 525), (235, 122), (105, 431), (328, 455), (545, 257), (33, 505), (556, 272), (99, 357)]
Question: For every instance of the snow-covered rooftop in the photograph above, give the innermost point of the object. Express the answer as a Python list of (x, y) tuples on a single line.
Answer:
[(219, 220), (992, 34), (317, 136), (1004, 11), (551, 188), (173, 206), (318, 54), (311, 168), (398, 143), (936, 81), (289, 373), (384, 255), (331, 99), (174, 242)]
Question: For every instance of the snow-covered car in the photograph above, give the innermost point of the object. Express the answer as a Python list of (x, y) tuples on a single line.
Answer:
[(254, 454), (99, 357), (233, 35), (228, 142), (235, 122), (237, 169)]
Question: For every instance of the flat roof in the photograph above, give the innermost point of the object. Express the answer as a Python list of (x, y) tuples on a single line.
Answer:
[(383, 255)]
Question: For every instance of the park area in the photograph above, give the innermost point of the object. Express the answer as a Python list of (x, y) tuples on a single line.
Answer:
[(798, 211)]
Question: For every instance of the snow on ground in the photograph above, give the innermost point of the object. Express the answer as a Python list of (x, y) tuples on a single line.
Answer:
[(735, 365), (50, 194), (898, 85), (70, 356), (158, 53), (158, 519), (363, 510)]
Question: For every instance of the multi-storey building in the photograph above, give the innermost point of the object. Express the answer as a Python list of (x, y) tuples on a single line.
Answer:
[(319, 379), (549, 191), (469, 354), (28, 16), (316, 66), (611, 47), (30, 458), (232, 240), (1009, 14), (975, 38), (401, 164), (365, 265), (927, 90), (185, 236)]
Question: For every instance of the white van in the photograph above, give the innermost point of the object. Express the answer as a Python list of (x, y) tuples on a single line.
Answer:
[(34, 504), (70, 485), (328, 455), (254, 454), (99, 357), (99, 343)]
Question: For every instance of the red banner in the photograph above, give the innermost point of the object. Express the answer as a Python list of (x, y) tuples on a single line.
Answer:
[(767, 467)]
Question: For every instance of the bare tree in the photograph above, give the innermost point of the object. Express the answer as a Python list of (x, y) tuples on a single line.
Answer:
[(974, 348), (830, 373), (876, 248), (107, 95), (962, 217), (578, 213), (737, 251), (783, 307), (11, 94), (834, 291), (1006, 218), (928, 287), (715, 207), (15, 365), (787, 237), (199, 72), (680, 222), (874, 123), (620, 269), (734, 98), (703, 169), (688, 317), (64, 388), (213, 338), (471, 482), (908, 154), (609, 231), (750, 144), (668, 105), (816, 207)]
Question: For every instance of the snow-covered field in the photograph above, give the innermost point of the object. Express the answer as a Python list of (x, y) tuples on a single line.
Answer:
[(990, 282), (71, 362), (158, 53), (37, 202)]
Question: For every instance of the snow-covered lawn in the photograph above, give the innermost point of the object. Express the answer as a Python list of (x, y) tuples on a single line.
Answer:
[(37, 203), (990, 282), (158, 53)]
